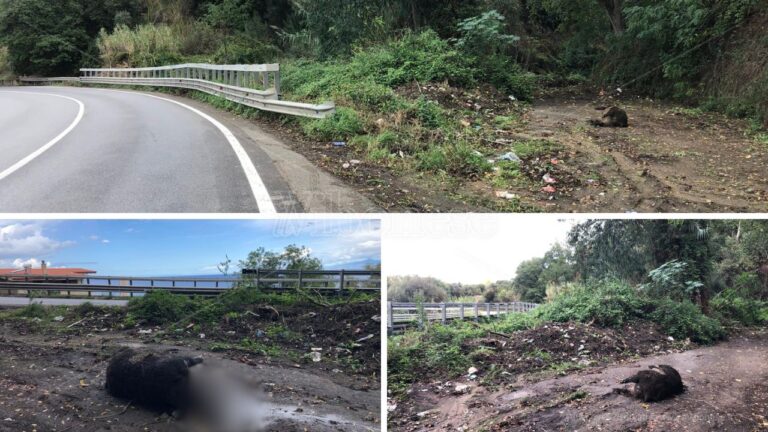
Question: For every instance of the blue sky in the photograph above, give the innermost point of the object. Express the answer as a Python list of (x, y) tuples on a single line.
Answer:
[(181, 247)]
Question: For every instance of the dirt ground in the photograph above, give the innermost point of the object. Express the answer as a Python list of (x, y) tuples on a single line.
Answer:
[(667, 160), (52, 372), (727, 390)]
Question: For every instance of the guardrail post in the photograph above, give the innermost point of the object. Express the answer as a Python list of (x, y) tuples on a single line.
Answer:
[(443, 313), (277, 84), (487, 310), (477, 317), (301, 279), (506, 307), (390, 317), (341, 282), (461, 311), (498, 310)]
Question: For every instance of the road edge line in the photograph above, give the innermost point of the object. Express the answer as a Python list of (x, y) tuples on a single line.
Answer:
[(258, 189), (30, 157)]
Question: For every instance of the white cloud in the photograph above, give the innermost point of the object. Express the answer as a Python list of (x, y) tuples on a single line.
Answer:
[(27, 240), (32, 262), (93, 237), (467, 248), (105, 241), (354, 245)]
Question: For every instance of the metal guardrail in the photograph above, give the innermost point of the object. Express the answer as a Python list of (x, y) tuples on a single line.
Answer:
[(256, 86), (338, 282), (404, 314)]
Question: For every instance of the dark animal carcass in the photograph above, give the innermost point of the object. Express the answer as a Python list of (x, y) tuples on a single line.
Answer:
[(612, 117), (156, 381), (655, 384)]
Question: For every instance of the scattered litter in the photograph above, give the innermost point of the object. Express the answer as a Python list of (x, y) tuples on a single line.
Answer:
[(670, 338), (58, 318), (511, 157), (339, 144), (472, 371), (202, 335), (554, 161), (355, 162), (346, 165), (549, 189), (460, 389), (505, 195), (316, 356), (148, 331), (376, 318), (365, 338), (83, 383), (512, 98), (465, 123), (548, 179)]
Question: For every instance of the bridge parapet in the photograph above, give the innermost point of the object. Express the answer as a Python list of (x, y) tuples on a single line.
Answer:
[(401, 315)]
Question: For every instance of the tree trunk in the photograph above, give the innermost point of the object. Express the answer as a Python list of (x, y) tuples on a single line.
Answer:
[(615, 9), (415, 16)]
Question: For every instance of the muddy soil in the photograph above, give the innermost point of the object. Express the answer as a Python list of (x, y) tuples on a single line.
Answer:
[(727, 390), (667, 160), (56, 383)]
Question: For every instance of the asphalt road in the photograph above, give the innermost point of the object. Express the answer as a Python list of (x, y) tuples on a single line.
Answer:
[(24, 301), (88, 150)]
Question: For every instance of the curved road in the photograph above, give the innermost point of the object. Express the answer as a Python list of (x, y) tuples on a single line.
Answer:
[(87, 150)]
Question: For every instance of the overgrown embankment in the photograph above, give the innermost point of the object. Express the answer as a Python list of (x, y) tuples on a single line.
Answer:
[(245, 325), (587, 326)]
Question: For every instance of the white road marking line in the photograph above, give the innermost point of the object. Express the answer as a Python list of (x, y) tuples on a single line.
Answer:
[(259, 190), (20, 164)]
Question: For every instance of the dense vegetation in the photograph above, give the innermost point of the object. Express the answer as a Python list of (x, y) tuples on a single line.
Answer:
[(695, 280), (399, 68)]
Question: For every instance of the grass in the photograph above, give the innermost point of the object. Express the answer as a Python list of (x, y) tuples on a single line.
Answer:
[(439, 350)]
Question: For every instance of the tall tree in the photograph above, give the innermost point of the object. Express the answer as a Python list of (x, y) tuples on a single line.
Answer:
[(43, 37)]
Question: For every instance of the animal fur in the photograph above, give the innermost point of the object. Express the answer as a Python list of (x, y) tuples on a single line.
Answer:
[(612, 117), (159, 382), (655, 384)]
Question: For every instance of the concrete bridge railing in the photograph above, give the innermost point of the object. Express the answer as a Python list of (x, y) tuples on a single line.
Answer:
[(256, 86), (405, 314)]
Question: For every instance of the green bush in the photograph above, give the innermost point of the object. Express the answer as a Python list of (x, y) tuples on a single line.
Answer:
[(606, 303), (435, 351), (422, 57), (369, 75), (463, 160), (729, 306), (428, 112), (685, 320), (161, 307), (341, 126), (245, 51), (34, 310), (432, 160), (147, 45)]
